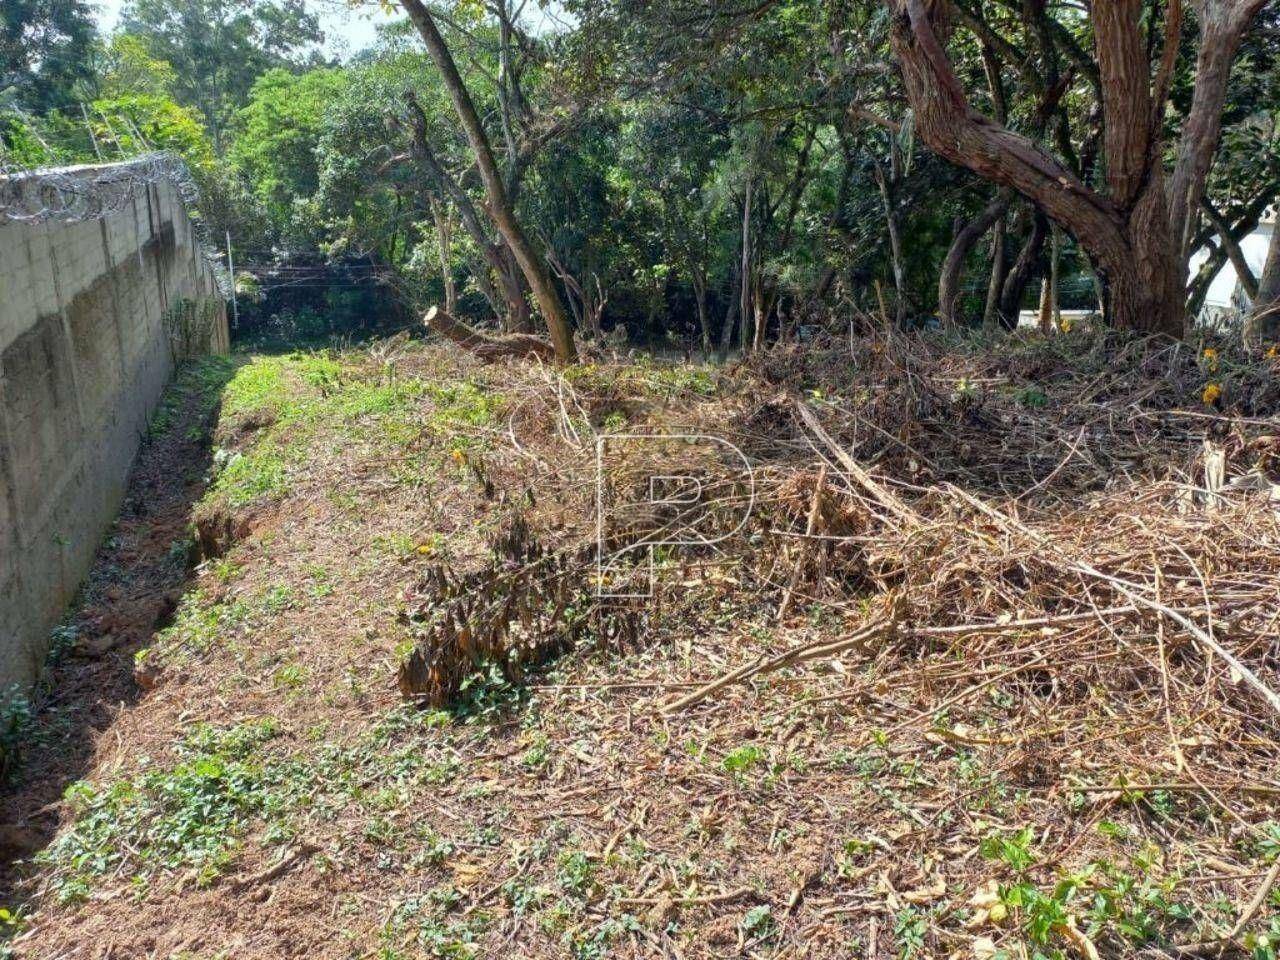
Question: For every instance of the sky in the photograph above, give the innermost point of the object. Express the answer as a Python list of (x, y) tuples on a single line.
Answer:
[(349, 30), (346, 31)]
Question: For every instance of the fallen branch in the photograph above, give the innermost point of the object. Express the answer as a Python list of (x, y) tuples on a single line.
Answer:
[(275, 871), (488, 348), (880, 493), (1249, 789), (1254, 905), (800, 654), (708, 899)]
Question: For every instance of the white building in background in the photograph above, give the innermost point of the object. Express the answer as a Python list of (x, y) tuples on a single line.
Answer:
[(1226, 297)]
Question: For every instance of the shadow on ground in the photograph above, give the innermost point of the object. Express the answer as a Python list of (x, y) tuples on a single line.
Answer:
[(140, 573)]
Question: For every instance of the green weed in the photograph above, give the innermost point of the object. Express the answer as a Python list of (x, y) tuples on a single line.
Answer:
[(741, 759), (190, 815), (258, 385), (245, 477)]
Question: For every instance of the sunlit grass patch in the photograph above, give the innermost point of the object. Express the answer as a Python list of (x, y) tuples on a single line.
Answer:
[(258, 385), (262, 472), (190, 815)]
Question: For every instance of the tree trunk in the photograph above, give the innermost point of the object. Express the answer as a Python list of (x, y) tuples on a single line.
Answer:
[(1232, 249), (484, 282), (744, 271), (730, 314), (485, 347), (999, 270), (444, 233), (887, 184), (1198, 289), (760, 325), (519, 317), (1055, 270), (1049, 317), (966, 237), (1222, 26), (504, 267), (500, 209), (704, 321), (1029, 258), (1127, 231), (1266, 305)]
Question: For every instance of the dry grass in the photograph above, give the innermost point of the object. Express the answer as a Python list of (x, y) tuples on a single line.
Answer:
[(994, 717)]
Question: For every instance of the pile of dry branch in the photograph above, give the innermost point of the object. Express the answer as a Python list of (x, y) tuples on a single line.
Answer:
[(1067, 550)]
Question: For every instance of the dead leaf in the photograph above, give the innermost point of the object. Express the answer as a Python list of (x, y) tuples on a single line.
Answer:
[(936, 888)]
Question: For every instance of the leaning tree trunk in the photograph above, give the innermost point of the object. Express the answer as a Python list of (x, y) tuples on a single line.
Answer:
[(496, 255), (999, 270), (1029, 258), (1127, 230), (1222, 25), (966, 237), (500, 208)]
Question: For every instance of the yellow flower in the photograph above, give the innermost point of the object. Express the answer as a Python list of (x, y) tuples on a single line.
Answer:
[(1211, 394), (459, 457), (1273, 352), (1065, 325), (1210, 357)]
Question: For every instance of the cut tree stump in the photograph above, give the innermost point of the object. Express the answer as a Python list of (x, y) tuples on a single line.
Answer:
[(488, 348)]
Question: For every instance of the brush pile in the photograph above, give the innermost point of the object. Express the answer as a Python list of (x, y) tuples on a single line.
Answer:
[(1071, 502), (1062, 558)]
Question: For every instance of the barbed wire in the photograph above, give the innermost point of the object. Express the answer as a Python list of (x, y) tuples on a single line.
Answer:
[(93, 192)]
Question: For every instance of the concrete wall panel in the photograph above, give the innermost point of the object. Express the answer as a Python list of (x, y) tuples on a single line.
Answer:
[(84, 357)]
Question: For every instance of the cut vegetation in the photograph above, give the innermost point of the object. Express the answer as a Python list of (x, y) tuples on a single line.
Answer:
[(988, 672)]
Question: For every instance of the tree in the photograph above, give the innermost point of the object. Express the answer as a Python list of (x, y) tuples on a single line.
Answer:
[(130, 124), (129, 68), (1266, 305), (220, 47), (277, 133), (1135, 229), (446, 188), (46, 51), (501, 209)]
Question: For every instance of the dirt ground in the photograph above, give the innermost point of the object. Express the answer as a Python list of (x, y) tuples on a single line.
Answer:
[(138, 578), (976, 748)]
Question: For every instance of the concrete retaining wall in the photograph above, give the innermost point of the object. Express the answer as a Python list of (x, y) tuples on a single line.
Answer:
[(87, 345)]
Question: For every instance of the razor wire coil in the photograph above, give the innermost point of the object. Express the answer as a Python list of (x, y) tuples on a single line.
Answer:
[(79, 194)]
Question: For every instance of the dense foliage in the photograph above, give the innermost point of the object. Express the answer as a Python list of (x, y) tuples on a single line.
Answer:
[(699, 172)]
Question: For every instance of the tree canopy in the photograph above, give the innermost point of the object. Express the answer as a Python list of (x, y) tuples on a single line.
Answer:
[(704, 173)]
